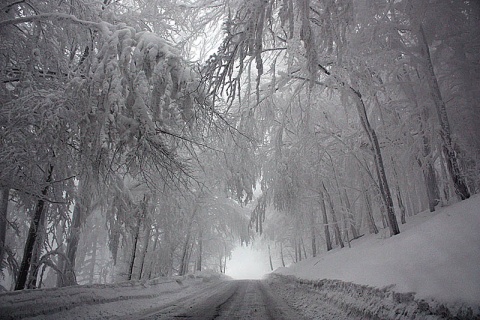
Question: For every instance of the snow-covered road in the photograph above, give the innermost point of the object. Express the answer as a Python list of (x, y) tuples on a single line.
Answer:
[(215, 297), (197, 298), (235, 299)]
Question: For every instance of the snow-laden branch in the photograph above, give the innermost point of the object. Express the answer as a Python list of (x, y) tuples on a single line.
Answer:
[(100, 26)]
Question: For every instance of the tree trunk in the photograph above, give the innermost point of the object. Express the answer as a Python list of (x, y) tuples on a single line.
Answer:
[(336, 228), (60, 257), (72, 245), (170, 260), (431, 186), (345, 225), (312, 233), (225, 261), (392, 162), (304, 249), (144, 250), (299, 250), (184, 261), (398, 192), (134, 248), (446, 189), (426, 164), (32, 235), (4, 195), (189, 255), (281, 255), (328, 239), (296, 250), (426, 161), (37, 252), (200, 249), (155, 255), (270, 258), (372, 227), (350, 217), (452, 163), (80, 212), (379, 166), (91, 277), (401, 206)]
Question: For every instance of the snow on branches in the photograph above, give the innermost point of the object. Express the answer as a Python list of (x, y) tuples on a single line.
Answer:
[(142, 82)]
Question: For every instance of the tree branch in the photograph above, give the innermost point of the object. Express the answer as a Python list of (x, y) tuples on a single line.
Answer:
[(100, 26)]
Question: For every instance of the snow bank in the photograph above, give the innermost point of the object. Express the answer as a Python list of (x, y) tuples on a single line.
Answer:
[(96, 301), (436, 256), (209, 275), (336, 299)]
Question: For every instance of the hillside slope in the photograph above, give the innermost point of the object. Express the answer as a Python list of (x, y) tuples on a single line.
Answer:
[(437, 256)]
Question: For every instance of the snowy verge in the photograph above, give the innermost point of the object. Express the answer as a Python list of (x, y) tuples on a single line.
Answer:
[(99, 300), (436, 256), (360, 301)]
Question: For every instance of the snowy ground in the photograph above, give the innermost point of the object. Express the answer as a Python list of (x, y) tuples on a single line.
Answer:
[(436, 256), (116, 301)]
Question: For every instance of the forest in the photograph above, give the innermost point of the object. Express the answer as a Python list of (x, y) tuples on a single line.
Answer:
[(149, 138)]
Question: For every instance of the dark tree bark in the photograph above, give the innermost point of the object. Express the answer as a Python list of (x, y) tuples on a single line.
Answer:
[(134, 248), (378, 160), (4, 195), (392, 161), (398, 192), (32, 234), (328, 239)]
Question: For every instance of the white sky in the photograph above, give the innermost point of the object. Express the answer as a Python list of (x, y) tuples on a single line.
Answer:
[(247, 263)]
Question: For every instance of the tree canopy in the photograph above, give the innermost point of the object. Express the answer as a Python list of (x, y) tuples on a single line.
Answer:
[(148, 138)]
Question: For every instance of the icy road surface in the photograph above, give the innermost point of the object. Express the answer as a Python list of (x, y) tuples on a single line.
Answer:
[(236, 299)]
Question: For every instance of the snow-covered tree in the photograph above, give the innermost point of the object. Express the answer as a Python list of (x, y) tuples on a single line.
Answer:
[(373, 60)]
